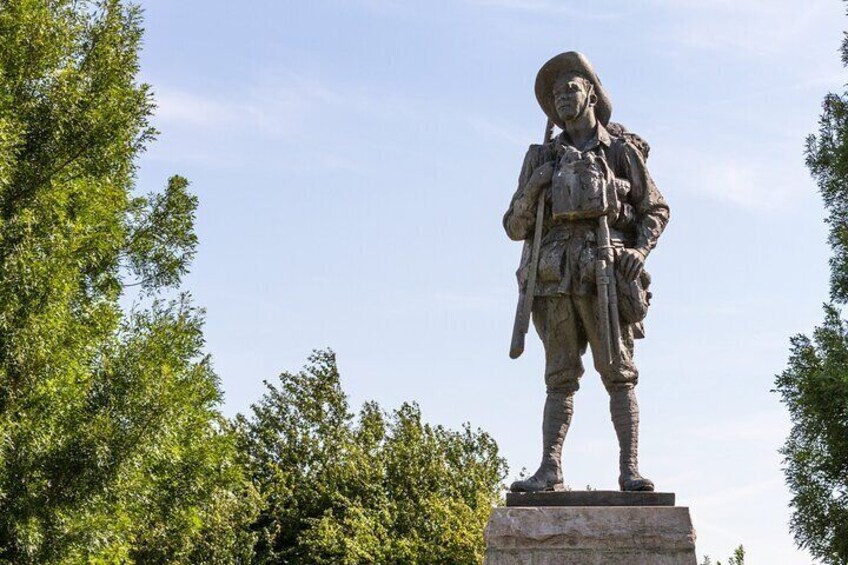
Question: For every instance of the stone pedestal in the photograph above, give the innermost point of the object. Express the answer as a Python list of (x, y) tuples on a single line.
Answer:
[(590, 532)]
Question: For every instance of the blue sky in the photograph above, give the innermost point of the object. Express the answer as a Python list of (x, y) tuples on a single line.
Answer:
[(354, 159)]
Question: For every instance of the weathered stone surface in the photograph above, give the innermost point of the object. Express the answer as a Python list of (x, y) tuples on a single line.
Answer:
[(589, 535), (585, 558), (590, 498)]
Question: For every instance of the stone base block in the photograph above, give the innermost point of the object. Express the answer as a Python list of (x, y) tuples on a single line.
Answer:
[(590, 498), (590, 535)]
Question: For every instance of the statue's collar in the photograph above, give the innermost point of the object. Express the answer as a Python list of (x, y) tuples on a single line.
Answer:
[(601, 137)]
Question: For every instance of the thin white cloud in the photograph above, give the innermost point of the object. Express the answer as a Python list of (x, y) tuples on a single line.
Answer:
[(288, 119), (735, 495), (174, 106), (752, 27), (814, 83), (273, 107), (738, 183), (551, 8), (386, 7), (547, 7), (764, 428), (491, 129), (740, 180), (278, 104)]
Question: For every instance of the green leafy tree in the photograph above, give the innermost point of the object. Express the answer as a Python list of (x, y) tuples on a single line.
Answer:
[(814, 387), (374, 488), (738, 558), (112, 448)]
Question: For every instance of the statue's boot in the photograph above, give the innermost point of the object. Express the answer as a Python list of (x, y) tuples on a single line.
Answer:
[(559, 406), (625, 417)]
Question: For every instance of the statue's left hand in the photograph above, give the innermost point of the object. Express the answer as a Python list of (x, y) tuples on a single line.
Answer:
[(631, 262)]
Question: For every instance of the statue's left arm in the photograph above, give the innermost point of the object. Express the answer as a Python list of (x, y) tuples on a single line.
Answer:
[(651, 211)]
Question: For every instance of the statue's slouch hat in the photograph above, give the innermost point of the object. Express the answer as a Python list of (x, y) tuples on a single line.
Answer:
[(570, 61)]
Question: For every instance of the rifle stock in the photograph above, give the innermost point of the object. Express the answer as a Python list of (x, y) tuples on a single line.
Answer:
[(524, 309), (519, 330)]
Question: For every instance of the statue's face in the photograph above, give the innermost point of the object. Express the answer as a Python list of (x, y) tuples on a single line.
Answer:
[(573, 97)]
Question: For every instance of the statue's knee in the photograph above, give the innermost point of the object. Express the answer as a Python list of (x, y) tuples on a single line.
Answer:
[(563, 379), (617, 386), (619, 379), (565, 387)]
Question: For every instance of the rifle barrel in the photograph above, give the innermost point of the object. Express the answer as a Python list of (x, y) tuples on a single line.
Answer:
[(524, 308)]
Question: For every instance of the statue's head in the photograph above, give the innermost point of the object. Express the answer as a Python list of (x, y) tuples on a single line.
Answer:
[(574, 96), (567, 87)]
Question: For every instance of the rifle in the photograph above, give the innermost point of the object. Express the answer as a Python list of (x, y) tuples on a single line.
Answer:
[(610, 325), (525, 295)]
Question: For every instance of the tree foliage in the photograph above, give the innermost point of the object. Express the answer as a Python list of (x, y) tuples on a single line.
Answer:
[(738, 558), (815, 390), (112, 449), (373, 488), (814, 387)]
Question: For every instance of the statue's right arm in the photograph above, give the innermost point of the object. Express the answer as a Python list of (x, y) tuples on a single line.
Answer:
[(520, 217)]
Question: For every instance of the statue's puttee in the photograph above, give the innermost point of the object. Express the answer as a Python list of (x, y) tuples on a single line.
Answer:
[(589, 214)]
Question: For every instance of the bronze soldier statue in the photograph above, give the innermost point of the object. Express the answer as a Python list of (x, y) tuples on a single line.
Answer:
[(589, 214)]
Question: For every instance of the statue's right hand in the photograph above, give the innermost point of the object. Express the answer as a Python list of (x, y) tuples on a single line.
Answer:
[(542, 176)]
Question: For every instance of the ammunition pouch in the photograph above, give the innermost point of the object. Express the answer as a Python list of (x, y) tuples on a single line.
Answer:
[(634, 298), (582, 186)]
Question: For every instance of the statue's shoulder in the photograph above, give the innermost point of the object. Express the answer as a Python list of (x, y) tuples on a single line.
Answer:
[(542, 149), (539, 153), (621, 135)]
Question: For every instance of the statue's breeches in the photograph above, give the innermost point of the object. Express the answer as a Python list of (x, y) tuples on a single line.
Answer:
[(567, 324)]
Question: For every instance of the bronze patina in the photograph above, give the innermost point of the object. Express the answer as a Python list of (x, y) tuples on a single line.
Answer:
[(589, 214)]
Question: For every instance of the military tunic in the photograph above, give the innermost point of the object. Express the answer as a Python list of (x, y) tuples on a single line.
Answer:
[(565, 307)]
